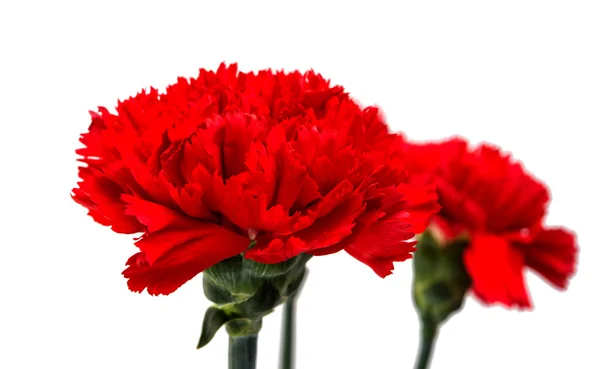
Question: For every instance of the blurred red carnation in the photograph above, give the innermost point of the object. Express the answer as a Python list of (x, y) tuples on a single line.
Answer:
[(489, 197), (268, 164)]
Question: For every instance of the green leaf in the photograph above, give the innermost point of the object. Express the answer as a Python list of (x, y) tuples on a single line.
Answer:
[(214, 318)]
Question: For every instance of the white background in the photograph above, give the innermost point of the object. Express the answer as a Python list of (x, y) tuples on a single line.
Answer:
[(522, 74)]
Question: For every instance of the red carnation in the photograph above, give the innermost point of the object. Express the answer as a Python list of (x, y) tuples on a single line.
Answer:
[(268, 164), (489, 197)]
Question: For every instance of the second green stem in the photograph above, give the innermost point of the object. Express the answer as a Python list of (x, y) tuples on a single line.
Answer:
[(429, 330), (288, 334)]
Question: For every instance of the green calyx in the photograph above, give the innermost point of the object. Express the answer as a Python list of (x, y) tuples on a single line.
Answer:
[(440, 279), (244, 291)]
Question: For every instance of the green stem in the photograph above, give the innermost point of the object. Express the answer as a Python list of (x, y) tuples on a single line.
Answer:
[(428, 336), (287, 358), (288, 334), (242, 352)]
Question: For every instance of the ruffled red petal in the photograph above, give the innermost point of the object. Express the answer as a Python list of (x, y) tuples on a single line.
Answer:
[(169, 258), (380, 242), (486, 194), (226, 158), (496, 270), (553, 254)]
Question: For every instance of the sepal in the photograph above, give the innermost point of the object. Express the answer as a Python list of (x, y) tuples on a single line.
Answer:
[(244, 291), (260, 270), (231, 276), (440, 279)]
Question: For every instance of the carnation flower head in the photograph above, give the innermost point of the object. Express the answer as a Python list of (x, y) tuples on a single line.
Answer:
[(269, 165), (490, 199)]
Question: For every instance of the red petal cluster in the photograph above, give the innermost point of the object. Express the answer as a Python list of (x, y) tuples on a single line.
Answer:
[(280, 161), (489, 196)]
